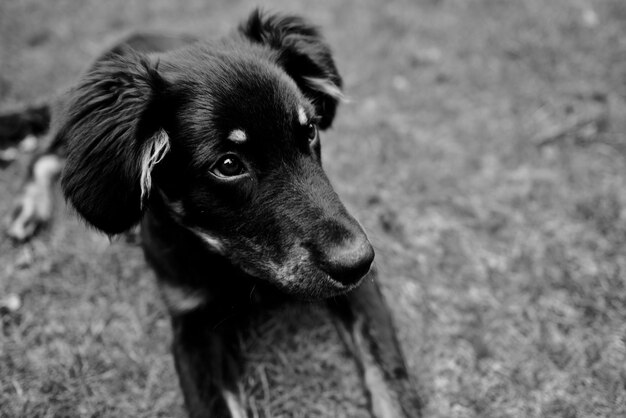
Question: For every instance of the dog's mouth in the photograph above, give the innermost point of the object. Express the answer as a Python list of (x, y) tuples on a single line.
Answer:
[(304, 275), (308, 283), (303, 271)]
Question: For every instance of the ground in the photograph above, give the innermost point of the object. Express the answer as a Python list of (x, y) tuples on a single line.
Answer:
[(483, 148)]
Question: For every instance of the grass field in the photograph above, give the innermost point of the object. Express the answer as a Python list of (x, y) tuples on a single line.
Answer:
[(483, 148)]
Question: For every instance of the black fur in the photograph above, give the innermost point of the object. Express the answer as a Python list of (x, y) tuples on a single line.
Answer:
[(301, 52), (229, 246), (108, 125)]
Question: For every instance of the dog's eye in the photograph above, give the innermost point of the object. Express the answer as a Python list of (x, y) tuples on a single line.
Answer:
[(228, 166), (311, 131)]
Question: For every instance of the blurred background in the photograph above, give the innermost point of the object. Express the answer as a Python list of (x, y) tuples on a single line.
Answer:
[(483, 148)]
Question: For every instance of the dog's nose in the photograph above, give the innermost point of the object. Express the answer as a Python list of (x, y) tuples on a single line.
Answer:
[(349, 262)]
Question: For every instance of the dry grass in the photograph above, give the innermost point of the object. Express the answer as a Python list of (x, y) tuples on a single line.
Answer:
[(503, 259)]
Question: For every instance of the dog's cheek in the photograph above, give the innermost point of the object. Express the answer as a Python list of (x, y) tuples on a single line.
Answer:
[(219, 205), (208, 211)]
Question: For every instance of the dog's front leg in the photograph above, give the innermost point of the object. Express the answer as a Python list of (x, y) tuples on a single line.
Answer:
[(366, 326), (208, 366)]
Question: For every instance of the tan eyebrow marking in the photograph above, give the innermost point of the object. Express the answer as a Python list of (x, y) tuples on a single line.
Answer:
[(302, 116), (238, 136)]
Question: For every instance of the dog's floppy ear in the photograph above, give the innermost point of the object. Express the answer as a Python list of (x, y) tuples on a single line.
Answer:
[(303, 54), (110, 126)]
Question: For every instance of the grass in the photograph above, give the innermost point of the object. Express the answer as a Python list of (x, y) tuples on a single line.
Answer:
[(503, 258)]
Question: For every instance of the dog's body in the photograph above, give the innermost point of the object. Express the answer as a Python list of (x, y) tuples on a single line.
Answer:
[(214, 149)]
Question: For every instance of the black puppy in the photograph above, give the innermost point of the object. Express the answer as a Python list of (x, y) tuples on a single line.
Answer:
[(214, 148)]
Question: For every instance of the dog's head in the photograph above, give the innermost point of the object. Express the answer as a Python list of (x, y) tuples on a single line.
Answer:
[(226, 135)]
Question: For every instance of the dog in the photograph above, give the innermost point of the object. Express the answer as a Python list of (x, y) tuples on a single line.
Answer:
[(214, 149)]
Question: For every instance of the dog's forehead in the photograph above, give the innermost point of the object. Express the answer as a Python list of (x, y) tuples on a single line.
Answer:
[(265, 125), (258, 100), (240, 98)]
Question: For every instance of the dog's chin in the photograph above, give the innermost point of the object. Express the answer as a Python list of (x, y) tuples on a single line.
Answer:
[(314, 287), (301, 280)]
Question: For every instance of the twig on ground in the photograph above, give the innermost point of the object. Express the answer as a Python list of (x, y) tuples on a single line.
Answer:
[(587, 126)]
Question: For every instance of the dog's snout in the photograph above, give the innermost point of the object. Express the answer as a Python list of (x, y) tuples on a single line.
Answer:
[(348, 262)]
